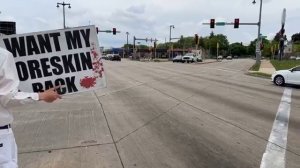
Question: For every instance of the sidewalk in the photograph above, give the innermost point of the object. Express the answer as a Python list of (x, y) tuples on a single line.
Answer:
[(266, 67)]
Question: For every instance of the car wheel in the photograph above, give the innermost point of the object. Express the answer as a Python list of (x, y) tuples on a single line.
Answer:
[(279, 80)]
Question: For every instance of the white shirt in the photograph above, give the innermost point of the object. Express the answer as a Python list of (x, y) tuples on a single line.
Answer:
[(9, 82)]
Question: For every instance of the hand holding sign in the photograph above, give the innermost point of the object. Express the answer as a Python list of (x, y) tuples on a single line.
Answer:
[(49, 95)]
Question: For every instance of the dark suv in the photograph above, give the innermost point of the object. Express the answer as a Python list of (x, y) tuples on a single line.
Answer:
[(116, 57)]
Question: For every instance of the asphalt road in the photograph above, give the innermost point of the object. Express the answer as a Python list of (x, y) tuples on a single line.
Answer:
[(160, 115)]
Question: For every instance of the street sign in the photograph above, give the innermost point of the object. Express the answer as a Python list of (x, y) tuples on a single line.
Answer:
[(261, 36), (220, 23), (283, 17), (257, 46)]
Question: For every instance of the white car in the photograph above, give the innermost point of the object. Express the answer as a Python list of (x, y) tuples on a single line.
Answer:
[(178, 58), (298, 58), (220, 58), (189, 57), (290, 76), (229, 57)]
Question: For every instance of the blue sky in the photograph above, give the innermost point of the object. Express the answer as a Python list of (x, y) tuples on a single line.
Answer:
[(152, 18)]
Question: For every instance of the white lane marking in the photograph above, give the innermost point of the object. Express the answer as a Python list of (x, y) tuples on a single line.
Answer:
[(274, 156)]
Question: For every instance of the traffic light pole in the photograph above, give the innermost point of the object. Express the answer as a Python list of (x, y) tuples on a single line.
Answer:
[(143, 39), (108, 31), (223, 24), (258, 51)]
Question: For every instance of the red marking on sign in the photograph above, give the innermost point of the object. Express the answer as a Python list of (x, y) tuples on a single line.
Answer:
[(91, 81), (88, 82)]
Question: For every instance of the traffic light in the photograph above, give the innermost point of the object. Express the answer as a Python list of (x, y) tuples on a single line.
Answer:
[(212, 23), (114, 31), (236, 23), (196, 39), (154, 44), (97, 30)]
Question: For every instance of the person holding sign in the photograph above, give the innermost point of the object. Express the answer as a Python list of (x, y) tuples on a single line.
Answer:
[(9, 97)]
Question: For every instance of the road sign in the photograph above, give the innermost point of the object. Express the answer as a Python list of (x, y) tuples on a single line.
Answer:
[(283, 17), (262, 36), (257, 46), (220, 23)]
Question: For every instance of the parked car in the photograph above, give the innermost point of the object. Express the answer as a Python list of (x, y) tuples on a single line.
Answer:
[(235, 57), (290, 76), (178, 58), (292, 57), (229, 57), (116, 57), (220, 58), (298, 58)]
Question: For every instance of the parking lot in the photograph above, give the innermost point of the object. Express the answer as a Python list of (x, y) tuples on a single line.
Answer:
[(160, 115)]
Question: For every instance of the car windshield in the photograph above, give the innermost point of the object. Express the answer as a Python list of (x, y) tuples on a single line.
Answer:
[(297, 68), (189, 54)]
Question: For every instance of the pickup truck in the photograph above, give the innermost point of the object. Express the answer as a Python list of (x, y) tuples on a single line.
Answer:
[(191, 57)]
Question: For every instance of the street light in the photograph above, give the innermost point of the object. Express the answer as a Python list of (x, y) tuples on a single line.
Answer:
[(171, 26), (258, 51), (64, 17), (127, 44)]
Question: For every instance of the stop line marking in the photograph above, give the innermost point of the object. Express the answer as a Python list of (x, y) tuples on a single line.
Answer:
[(274, 156)]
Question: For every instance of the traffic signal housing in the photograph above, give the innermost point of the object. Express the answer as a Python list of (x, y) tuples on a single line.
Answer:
[(212, 23), (114, 31), (236, 23), (97, 30)]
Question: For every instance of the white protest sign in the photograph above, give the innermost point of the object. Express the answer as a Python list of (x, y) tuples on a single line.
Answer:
[(69, 58)]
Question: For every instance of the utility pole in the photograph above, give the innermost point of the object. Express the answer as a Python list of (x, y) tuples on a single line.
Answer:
[(127, 44), (258, 43), (171, 26)]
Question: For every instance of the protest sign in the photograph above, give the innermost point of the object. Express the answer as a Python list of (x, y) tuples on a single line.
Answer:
[(69, 58)]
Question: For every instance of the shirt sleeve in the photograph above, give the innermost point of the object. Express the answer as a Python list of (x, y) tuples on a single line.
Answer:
[(19, 98), (9, 83)]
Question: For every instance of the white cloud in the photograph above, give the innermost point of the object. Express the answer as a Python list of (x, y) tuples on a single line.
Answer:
[(143, 18), (136, 9)]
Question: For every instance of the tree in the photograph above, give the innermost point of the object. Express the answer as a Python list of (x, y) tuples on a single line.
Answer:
[(162, 46), (237, 49), (266, 49), (296, 37), (129, 46), (223, 44)]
